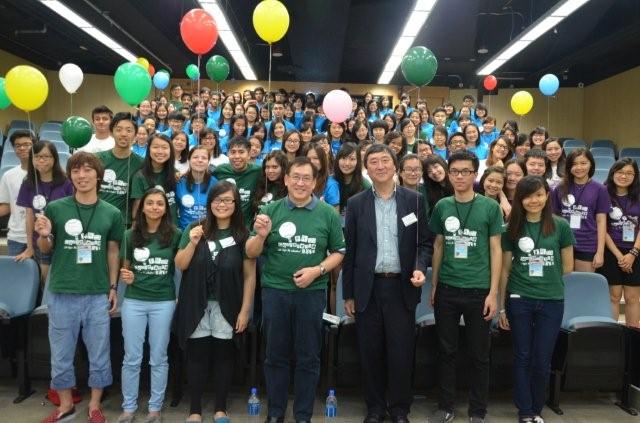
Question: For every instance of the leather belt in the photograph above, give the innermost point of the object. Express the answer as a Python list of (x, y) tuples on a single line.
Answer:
[(387, 275)]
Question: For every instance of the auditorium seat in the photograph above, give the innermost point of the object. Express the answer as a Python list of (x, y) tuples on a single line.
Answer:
[(22, 124), (604, 143), (343, 361), (600, 175), (50, 126), (589, 353), (603, 151), (569, 149), (633, 152), (9, 159), (604, 162), (573, 143), (50, 136)]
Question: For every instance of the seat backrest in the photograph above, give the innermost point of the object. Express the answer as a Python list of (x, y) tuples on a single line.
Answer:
[(51, 136), (585, 295), (574, 143), (18, 285), (61, 146), (630, 152), (64, 157), (9, 159), (604, 162), (602, 151), (50, 126), (600, 175), (21, 124), (604, 143), (424, 306)]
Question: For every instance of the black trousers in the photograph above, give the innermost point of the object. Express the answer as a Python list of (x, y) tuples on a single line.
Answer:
[(386, 338), (450, 304), (200, 352)]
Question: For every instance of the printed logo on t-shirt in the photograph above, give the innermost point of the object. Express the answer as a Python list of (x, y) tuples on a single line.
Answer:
[(212, 248), (188, 200), (569, 200), (157, 266), (266, 198), (223, 133), (109, 175), (160, 187), (287, 230), (73, 227), (538, 255), (452, 224), (233, 181), (615, 213), (245, 195), (526, 244), (141, 254)]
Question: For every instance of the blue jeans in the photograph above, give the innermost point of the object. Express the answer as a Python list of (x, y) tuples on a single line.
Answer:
[(534, 329), (136, 315), (67, 313), (14, 247), (292, 320)]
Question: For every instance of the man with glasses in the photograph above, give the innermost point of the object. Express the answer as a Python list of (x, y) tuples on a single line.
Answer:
[(467, 258), (22, 142), (301, 239)]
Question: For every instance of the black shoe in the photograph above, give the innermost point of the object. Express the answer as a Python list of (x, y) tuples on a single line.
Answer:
[(373, 418), (303, 421), (400, 419), (274, 420)]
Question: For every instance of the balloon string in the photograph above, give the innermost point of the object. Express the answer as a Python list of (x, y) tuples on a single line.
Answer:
[(270, 59), (205, 121), (548, 101), (70, 104), (33, 156)]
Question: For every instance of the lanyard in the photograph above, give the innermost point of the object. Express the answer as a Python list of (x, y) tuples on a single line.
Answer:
[(463, 222), (535, 241), (93, 211), (623, 208), (577, 197)]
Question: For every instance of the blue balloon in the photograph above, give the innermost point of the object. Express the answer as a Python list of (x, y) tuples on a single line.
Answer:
[(161, 80), (549, 84)]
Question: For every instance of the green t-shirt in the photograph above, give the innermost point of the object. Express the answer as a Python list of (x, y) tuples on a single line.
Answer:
[(153, 267), (466, 228), (300, 237), (70, 229), (542, 280), (246, 182), (115, 185), (139, 186)]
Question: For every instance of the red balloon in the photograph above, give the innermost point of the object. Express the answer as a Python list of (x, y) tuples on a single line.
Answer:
[(151, 70), (199, 31), (490, 82)]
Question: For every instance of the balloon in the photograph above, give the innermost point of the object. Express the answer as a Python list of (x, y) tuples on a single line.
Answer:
[(337, 105), (76, 131), (143, 62), (132, 83), (271, 20), (4, 100), (549, 84), (217, 68), (419, 66), (165, 71), (26, 87), (521, 103), (161, 80), (71, 77), (151, 70), (490, 82), (199, 31), (193, 72)]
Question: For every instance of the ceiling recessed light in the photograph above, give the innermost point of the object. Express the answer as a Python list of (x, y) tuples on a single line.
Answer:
[(473, 59), (446, 59), (483, 50)]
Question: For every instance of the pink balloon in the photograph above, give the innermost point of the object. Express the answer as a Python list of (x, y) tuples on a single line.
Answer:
[(337, 105)]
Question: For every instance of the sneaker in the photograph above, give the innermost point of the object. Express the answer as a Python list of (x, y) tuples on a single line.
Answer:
[(96, 416), (441, 416), (476, 419), (525, 420), (537, 419), (57, 416), (125, 418)]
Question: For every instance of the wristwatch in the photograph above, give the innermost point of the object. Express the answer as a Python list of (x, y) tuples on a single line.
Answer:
[(323, 270)]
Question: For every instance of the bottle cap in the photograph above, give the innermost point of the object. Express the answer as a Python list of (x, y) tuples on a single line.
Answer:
[(254, 391), (332, 392)]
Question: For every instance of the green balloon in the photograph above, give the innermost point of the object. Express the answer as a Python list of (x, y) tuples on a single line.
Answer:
[(419, 66), (132, 83), (76, 131), (4, 99), (217, 68), (193, 72)]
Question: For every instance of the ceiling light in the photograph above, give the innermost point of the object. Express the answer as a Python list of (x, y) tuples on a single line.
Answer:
[(412, 27), (549, 20), (84, 25), (229, 38), (483, 50)]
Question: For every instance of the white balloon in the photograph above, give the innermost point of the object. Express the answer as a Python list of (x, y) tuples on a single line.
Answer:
[(71, 77)]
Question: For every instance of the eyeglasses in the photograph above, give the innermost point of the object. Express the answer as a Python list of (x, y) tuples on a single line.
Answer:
[(293, 141), (43, 158), (306, 179), (412, 170), (22, 146), (463, 172), (502, 147), (458, 142), (625, 174), (225, 201)]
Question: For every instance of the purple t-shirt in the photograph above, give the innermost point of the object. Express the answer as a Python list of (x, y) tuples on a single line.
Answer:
[(623, 212), (587, 201), (46, 190)]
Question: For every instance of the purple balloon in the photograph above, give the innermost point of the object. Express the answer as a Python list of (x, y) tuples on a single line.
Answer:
[(337, 106)]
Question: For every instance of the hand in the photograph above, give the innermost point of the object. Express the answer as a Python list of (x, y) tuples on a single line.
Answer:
[(42, 225), (490, 307), (598, 261), (25, 255), (626, 262), (195, 234), (303, 277), (262, 225), (504, 322), (350, 307), (126, 276), (418, 278), (432, 297), (242, 321), (113, 300)]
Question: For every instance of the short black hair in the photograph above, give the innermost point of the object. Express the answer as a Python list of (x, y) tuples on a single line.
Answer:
[(22, 133), (101, 109), (464, 155), (379, 123), (198, 116), (380, 148), (176, 116), (302, 161), (122, 116), (239, 141), (469, 97)]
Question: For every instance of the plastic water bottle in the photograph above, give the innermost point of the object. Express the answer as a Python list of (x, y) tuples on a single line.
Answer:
[(253, 404), (331, 407)]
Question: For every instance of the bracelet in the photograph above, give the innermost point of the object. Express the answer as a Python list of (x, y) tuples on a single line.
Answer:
[(114, 287), (502, 311), (634, 252)]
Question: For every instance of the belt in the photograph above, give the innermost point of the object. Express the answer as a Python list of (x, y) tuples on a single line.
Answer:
[(387, 275)]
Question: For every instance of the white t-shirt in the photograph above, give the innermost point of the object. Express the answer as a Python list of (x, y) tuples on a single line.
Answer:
[(217, 161), (9, 188), (95, 145)]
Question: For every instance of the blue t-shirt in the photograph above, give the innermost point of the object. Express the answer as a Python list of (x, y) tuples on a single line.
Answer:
[(487, 139), (139, 150), (223, 137), (481, 151), (331, 193), (335, 146), (192, 204), (442, 153)]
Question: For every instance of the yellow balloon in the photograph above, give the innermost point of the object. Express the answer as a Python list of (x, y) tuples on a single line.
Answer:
[(26, 87), (271, 20), (522, 103), (144, 62)]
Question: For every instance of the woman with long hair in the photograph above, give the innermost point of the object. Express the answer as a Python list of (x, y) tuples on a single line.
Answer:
[(291, 142), (437, 180), (271, 185), (147, 256), (347, 172), (209, 141), (180, 144), (326, 189), (216, 295), (193, 186), (557, 160), (621, 266), (537, 252)]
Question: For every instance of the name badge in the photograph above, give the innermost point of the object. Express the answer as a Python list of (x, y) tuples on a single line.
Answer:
[(575, 220), (460, 249), (409, 219), (536, 267), (227, 242), (628, 232), (83, 253)]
